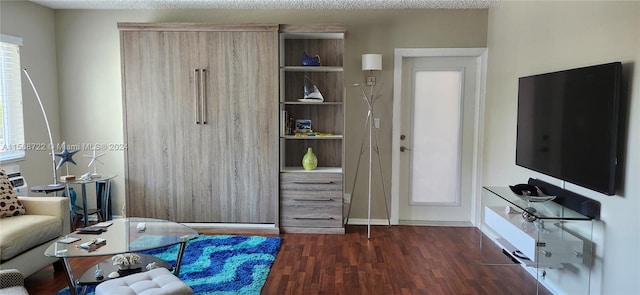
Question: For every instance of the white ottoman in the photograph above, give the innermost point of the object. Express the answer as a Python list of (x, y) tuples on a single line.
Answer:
[(157, 281)]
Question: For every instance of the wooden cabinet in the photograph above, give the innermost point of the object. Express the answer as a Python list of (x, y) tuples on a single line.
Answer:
[(201, 119), (311, 201)]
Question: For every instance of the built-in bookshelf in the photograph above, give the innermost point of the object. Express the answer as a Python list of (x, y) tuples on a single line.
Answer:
[(311, 201), (327, 117)]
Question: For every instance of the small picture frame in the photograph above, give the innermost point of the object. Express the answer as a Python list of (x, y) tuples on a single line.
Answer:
[(303, 126)]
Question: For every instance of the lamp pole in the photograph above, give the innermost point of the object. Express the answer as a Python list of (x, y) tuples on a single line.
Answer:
[(55, 186), (370, 62)]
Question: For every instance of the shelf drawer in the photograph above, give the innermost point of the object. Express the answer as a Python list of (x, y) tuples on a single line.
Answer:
[(309, 181), (311, 208), (547, 246)]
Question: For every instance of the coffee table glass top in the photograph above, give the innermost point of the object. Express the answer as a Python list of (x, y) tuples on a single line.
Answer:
[(123, 236)]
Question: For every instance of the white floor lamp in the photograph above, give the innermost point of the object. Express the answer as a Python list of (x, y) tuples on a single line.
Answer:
[(370, 62), (55, 186)]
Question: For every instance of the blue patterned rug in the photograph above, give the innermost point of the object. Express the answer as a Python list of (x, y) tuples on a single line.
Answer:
[(221, 264)]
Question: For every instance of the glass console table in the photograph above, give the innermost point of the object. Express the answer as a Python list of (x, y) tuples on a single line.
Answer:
[(550, 241)]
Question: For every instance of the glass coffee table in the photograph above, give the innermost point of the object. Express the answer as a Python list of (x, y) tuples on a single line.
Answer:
[(122, 236)]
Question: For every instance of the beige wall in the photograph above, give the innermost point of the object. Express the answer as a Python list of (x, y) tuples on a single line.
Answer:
[(528, 38), (89, 67), (38, 56)]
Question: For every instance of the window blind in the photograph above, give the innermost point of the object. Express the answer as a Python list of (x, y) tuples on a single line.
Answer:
[(12, 143)]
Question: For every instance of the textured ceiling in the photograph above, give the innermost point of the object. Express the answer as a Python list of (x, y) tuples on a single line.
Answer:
[(265, 4)]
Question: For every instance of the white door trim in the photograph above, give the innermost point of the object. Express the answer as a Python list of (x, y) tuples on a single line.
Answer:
[(481, 58)]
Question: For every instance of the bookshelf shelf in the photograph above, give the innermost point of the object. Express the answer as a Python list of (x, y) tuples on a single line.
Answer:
[(312, 69), (319, 137), (326, 103)]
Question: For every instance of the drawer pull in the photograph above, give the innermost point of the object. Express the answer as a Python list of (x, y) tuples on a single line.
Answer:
[(313, 218), (546, 253), (314, 200), (314, 182), (576, 253)]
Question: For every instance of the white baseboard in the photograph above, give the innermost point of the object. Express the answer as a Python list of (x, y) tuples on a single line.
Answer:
[(363, 221), (228, 225), (436, 223)]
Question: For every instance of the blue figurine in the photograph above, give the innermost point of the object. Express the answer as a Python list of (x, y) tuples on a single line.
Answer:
[(310, 60)]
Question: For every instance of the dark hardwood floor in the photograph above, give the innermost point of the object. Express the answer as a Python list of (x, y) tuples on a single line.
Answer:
[(397, 260)]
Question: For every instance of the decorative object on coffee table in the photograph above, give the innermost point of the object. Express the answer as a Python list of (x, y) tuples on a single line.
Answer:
[(127, 260), (152, 265)]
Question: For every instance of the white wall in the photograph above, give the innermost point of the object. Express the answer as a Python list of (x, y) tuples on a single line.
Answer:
[(38, 56), (531, 37)]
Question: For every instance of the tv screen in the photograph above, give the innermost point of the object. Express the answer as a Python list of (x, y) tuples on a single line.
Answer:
[(568, 125)]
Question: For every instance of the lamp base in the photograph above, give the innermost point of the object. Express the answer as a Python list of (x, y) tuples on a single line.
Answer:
[(49, 188)]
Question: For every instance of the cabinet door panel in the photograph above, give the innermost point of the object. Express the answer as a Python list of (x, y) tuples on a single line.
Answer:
[(159, 122), (241, 136), (222, 171)]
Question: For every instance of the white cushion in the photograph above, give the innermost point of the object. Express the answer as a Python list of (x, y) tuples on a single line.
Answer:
[(23, 232), (16, 290), (157, 281)]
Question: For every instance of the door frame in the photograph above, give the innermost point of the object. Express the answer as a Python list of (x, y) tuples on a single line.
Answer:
[(481, 59)]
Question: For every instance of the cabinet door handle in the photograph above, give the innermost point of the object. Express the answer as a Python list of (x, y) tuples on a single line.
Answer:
[(313, 218), (313, 182), (203, 94), (314, 200), (196, 83)]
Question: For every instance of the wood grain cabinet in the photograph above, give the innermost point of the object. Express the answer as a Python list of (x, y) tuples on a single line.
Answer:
[(201, 116), (311, 201)]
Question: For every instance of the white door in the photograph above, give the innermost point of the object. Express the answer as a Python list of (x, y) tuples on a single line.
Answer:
[(437, 140)]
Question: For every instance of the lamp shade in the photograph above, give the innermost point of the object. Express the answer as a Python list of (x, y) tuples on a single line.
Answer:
[(372, 62)]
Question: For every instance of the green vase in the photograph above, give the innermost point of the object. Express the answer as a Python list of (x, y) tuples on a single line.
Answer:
[(309, 161)]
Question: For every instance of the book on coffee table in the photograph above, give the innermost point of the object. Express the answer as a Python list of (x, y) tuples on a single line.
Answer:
[(91, 230), (103, 224)]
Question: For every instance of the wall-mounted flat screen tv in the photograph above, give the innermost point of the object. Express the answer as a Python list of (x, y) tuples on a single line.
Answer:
[(568, 125)]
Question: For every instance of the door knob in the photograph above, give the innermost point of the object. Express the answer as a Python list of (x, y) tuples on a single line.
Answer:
[(402, 137), (403, 148)]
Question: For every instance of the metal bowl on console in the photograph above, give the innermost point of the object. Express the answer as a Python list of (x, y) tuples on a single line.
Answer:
[(537, 199)]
